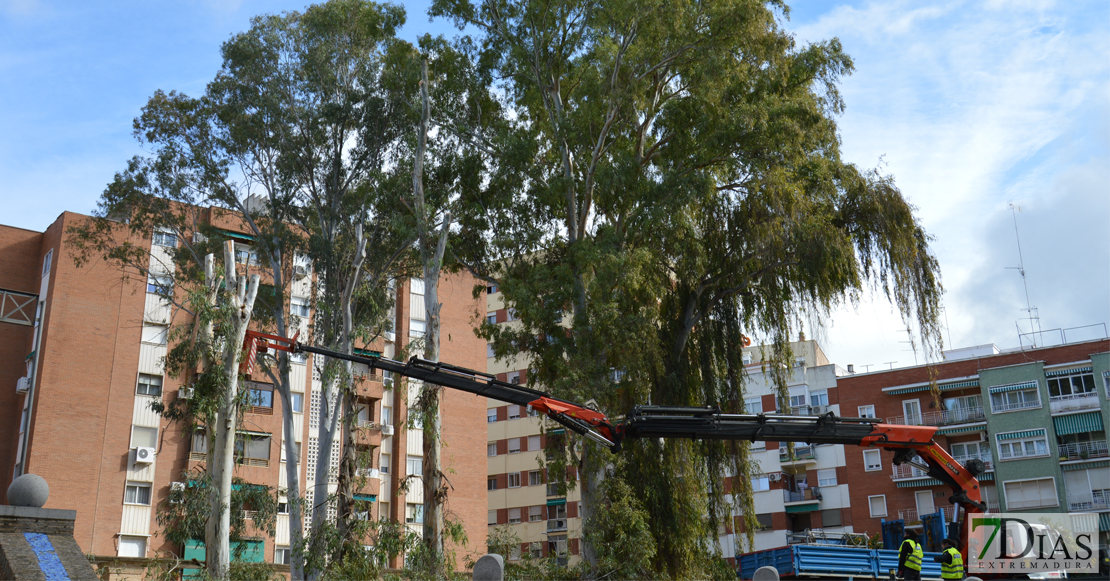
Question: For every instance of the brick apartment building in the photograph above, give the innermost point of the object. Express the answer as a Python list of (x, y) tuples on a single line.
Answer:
[(80, 363)]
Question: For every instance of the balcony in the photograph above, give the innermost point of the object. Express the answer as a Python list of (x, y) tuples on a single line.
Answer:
[(556, 524), (911, 516), (801, 453), (1017, 405), (941, 418), (809, 410), (1096, 500), (906, 472), (1073, 402), (1083, 450), (985, 458), (809, 496)]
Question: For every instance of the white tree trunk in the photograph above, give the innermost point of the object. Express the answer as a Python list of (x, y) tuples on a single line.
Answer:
[(221, 459)]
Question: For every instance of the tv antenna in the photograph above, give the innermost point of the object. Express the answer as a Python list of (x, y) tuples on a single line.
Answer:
[(1034, 316)]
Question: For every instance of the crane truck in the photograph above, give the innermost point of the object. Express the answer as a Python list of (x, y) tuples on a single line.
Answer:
[(913, 445)]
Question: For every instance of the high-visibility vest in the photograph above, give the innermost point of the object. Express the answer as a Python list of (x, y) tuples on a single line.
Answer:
[(955, 570), (913, 560)]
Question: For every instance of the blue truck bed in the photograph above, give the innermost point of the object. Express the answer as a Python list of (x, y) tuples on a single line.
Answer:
[(801, 561)]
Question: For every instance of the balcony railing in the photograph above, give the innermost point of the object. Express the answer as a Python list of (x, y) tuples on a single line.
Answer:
[(911, 516), (1073, 402), (800, 453), (905, 471), (556, 524), (1083, 450), (1096, 500), (808, 494), (941, 418), (1017, 405), (985, 458), (369, 425)]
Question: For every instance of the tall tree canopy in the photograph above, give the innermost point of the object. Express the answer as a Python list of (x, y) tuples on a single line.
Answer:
[(667, 178)]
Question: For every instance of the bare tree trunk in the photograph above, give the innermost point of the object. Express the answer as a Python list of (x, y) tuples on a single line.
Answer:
[(432, 247), (221, 460)]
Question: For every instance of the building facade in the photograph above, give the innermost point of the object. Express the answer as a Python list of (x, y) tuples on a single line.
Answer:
[(81, 355)]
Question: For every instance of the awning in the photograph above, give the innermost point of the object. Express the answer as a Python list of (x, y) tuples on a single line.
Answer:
[(366, 497), (980, 427), (985, 476), (556, 501), (918, 483), (1104, 521), (1085, 465), (237, 235), (809, 507), (1078, 423), (367, 353), (1014, 387), (1087, 369), (941, 387), (1021, 435)]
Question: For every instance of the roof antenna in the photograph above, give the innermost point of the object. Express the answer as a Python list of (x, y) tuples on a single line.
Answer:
[(1034, 315)]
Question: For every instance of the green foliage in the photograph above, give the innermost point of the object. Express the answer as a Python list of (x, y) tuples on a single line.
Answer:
[(618, 530), (182, 515)]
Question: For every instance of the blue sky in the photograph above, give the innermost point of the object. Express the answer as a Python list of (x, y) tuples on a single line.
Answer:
[(971, 106)]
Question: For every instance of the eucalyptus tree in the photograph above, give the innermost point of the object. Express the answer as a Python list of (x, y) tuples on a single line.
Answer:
[(666, 181)]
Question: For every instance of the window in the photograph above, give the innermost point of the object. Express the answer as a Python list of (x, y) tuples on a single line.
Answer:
[(154, 334), (159, 284), (491, 415), (533, 443), (200, 443), (534, 478), (47, 261), (244, 255), (283, 508), (534, 513), (299, 307), (281, 556), (132, 546), (799, 361), (1071, 386), (1025, 396), (491, 289), (558, 511), (137, 493), (514, 377), (491, 517), (872, 460), (536, 550), (877, 505), (514, 412), (514, 480), (763, 522), (491, 449), (489, 349), (491, 483), (144, 437), (261, 395), (414, 513), (252, 449), (866, 411), (797, 400), (912, 410), (512, 314), (491, 317), (149, 385), (514, 445), (387, 415), (747, 358), (761, 483), (830, 518), (826, 477), (754, 405), (384, 462), (514, 516), (414, 465), (968, 450), (1027, 444), (1030, 494), (819, 397), (417, 328), (164, 238), (297, 402)]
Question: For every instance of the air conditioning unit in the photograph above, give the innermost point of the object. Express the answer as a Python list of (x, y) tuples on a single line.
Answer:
[(387, 430), (23, 385), (185, 393), (299, 272), (817, 410), (774, 477), (144, 455)]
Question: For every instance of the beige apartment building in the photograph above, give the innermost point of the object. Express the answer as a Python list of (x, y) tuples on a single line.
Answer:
[(546, 522)]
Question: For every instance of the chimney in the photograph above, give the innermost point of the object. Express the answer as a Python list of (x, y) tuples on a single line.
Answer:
[(851, 368)]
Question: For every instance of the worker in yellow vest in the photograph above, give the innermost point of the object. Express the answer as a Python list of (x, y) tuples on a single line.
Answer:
[(909, 557), (951, 561)]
